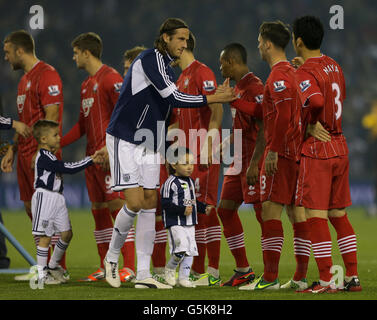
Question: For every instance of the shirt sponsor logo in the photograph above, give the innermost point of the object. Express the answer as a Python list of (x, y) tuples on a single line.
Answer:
[(304, 85), (259, 98), (86, 105), (209, 85), (189, 202), (53, 90), (117, 86), (21, 102), (279, 86)]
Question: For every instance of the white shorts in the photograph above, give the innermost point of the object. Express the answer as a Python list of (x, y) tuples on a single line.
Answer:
[(182, 239), (49, 213), (132, 165)]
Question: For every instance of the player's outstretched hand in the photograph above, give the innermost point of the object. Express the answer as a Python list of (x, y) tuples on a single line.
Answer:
[(318, 131), (103, 154), (223, 87), (271, 163), (188, 210), (252, 174), (97, 159), (22, 129), (223, 94), (7, 161), (297, 62)]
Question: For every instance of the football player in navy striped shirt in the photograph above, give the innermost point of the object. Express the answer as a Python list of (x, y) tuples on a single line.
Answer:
[(136, 136), (180, 215), (49, 210)]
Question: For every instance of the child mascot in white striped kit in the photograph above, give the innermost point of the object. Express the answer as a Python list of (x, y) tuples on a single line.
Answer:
[(49, 210)]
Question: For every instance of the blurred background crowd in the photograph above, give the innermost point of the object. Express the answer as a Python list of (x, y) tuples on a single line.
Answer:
[(215, 23)]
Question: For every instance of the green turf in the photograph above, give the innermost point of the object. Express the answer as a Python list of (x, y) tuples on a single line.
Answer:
[(82, 259)]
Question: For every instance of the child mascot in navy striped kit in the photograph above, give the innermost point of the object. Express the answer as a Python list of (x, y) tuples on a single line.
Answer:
[(179, 214), (49, 210)]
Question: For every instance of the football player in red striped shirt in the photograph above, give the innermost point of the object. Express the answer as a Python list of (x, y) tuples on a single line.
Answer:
[(323, 184), (278, 177), (99, 93), (235, 189), (39, 96)]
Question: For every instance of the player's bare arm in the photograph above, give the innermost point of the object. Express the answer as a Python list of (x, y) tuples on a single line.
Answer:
[(52, 112), (213, 130), (252, 173)]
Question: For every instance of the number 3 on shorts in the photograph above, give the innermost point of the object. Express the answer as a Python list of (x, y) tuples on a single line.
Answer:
[(263, 182)]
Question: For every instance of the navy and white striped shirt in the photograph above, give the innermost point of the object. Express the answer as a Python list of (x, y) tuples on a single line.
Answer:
[(176, 194), (6, 123), (147, 95), (48, 170)]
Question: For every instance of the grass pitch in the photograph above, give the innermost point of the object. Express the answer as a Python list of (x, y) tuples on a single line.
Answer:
[(82, 259)]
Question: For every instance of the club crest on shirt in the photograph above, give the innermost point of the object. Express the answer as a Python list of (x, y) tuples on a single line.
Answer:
[(118, 86), (304, 85), (209, 85), (259, 98), (28, 85), (95, 87), (186, 82), (279, 86), (21, 102), (53, 90)]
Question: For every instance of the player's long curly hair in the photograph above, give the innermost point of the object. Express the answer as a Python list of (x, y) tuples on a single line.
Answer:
[(169, 26)]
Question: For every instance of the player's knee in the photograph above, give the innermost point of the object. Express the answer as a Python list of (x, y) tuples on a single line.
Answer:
[(66, 236), (150, 199), (271, 210), (44, 241), (134, 205), (337, 213), (229, 205)]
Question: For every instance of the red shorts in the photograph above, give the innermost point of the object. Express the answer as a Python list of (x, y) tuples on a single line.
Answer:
[(323, 184), (98, 183), (235, 188), (281, 187), (207, 183), (25, 177)]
